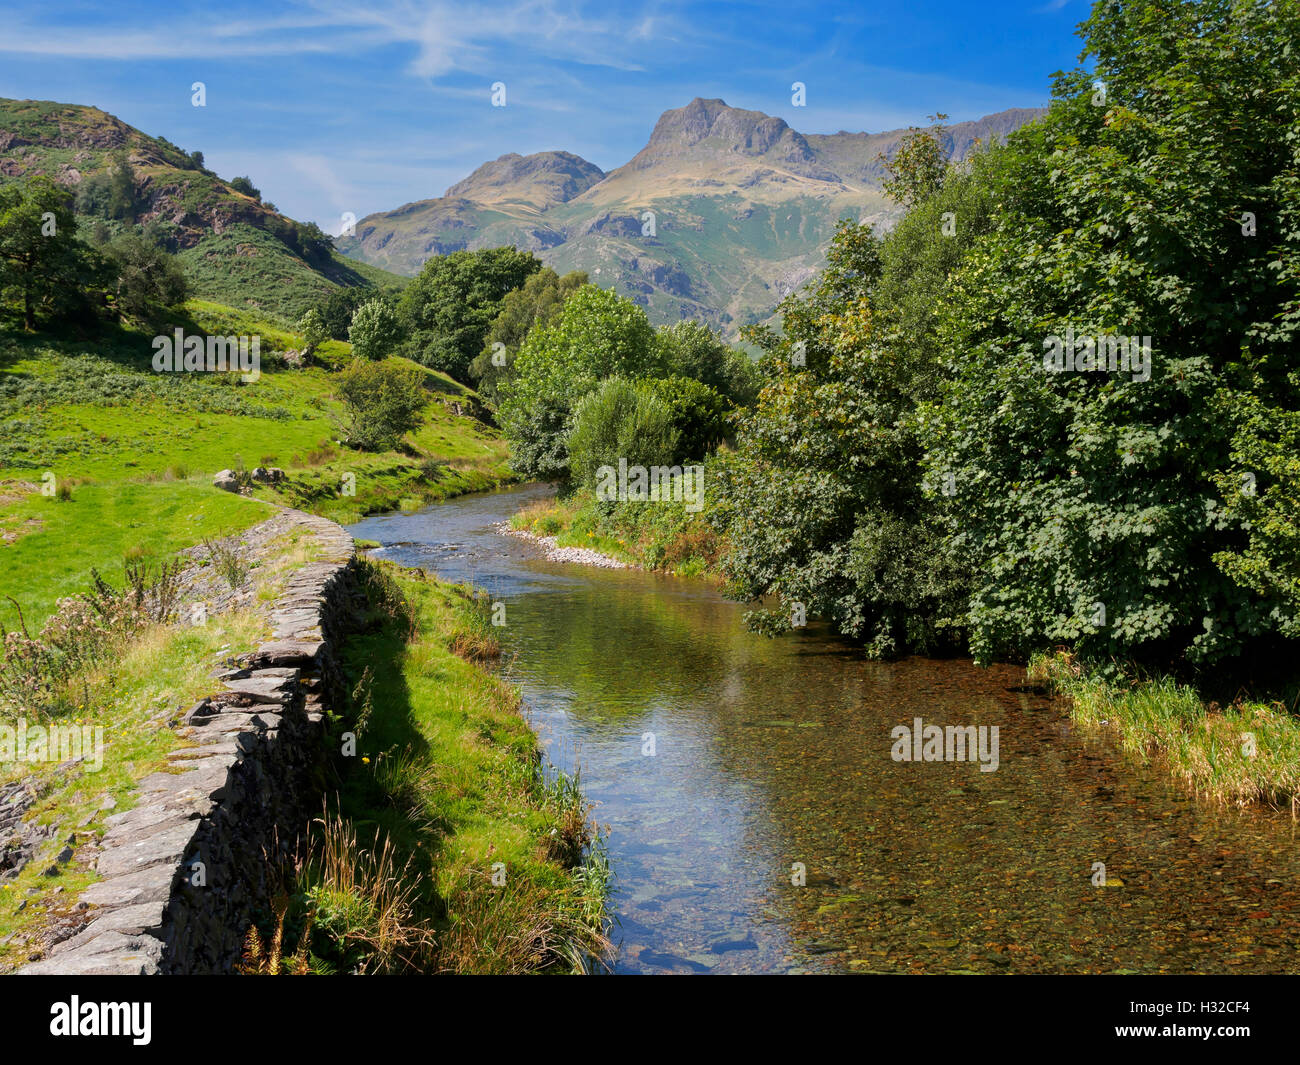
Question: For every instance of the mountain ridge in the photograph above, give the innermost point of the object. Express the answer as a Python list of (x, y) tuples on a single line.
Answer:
[(719, 216)]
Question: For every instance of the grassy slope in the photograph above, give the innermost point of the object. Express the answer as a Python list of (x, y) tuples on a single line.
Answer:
[(450, 771), (248, 268), (226, 240), (132, 697), (139, 453)]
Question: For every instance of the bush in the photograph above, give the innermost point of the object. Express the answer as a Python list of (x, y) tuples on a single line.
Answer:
[(620, 421), (692, 349), (375, 330), (149, 280), (336, 309), (698, 413), (383, 401)]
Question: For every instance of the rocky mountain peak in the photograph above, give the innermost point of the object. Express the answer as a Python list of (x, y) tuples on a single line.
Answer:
[(543, 179)]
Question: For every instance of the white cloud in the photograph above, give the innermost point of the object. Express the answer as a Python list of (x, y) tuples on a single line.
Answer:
[(444, 37)]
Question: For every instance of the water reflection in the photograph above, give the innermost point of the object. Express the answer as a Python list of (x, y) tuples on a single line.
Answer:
[(769, 753)]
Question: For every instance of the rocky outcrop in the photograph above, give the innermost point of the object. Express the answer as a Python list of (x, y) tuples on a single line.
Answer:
[(185, 871)]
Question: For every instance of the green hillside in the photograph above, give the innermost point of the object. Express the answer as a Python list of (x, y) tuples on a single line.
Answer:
[(235, 249), (132, 453)]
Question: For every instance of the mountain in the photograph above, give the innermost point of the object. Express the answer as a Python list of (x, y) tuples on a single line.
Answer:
[(540, 181), (236, 249), (722, 214)]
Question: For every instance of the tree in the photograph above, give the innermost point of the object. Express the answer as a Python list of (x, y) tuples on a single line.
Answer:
[(244, 185), (313, 332), (691, 349), (918, 168), (697, 413), (110, 193), (598, 334), (336, 309), (620, 420), (1101, 507), (40, 255), (148, 278), (537, 302), (375, 330), (447, 310), (382, 400), (824, 501)]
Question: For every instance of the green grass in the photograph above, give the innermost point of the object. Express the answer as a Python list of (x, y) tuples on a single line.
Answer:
[(449, 770), (58, 542), (654, 535), (137, 451), (134, 696), (1203, 745), (248, 268)]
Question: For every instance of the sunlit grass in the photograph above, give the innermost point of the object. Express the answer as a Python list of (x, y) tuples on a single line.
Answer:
[(1243, 753)]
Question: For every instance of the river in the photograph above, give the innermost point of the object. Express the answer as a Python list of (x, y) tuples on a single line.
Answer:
[(729, 766)]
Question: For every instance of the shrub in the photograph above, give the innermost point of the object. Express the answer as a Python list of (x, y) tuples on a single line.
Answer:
[(698, 413), (375, 330), (383, 402), (620, 421)]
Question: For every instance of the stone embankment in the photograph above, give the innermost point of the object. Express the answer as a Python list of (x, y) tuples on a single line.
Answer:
[(185, 870)]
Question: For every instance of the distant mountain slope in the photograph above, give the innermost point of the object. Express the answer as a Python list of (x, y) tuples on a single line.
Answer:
[(743, 208), (236, 249), (539, 181)]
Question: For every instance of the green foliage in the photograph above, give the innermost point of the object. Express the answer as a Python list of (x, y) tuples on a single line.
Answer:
[(149, 280), (448, 309), (383, 402), (536, 303), (1261, 496), (917, 170), (40, 257), (312, 328), (598, 334), (338, 307), (822, 500), (375, 330), (691, 349), (244, 185), (1078, 493), (620, 420), (111, 193), (696, 412)]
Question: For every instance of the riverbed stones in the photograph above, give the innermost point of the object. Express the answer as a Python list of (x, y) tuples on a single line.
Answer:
[(185, 867), (583, 556)]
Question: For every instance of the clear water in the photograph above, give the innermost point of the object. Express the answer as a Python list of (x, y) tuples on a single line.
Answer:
[(769, 753)]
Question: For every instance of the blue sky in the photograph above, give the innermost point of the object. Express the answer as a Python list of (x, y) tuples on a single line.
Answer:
[(331, 106)]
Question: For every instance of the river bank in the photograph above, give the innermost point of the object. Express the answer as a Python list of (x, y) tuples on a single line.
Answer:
[(446, 848), (654, 536), (724, 762), (436, 772)]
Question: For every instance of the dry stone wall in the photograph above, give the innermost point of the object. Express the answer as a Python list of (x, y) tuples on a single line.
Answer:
[(184, 872)]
